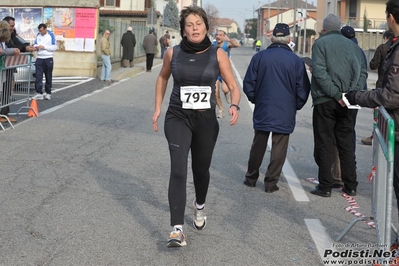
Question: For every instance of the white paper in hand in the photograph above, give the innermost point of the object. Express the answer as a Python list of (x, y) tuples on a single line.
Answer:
[(350, 106)]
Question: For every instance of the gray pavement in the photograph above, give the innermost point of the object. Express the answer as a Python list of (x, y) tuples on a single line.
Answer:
[(85, 183)]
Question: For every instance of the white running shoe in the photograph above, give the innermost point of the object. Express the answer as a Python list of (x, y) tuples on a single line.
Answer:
[(47, 96), (199, 217), (38, 96), (176, 239)]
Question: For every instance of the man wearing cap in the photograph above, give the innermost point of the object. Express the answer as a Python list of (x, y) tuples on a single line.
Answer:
[(337, 67), (277, 83), (128, 43)]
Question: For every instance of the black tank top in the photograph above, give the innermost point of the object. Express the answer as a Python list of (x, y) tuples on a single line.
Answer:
[(193, 70)]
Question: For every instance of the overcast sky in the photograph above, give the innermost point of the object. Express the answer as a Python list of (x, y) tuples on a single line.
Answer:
[(236, 9)]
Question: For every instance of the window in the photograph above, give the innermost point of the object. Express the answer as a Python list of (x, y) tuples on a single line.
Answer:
[(109, 2)]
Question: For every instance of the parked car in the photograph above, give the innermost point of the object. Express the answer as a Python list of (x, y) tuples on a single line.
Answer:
[(25, 74)]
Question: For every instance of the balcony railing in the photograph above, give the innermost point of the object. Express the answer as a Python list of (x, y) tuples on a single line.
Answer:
[(373, 24)]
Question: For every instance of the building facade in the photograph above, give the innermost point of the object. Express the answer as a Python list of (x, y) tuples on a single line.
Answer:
[(354, 12), (297, 12)]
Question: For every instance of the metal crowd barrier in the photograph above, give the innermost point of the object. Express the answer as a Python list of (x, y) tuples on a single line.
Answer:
[(383, 160), (16, 74)]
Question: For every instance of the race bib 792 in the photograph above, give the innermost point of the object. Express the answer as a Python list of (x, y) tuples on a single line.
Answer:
[(195, 97)]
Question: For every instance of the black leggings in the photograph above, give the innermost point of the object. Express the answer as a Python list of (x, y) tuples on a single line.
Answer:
[(185, 130)]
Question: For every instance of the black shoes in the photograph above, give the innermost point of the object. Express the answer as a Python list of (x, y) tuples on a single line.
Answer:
[(271, 190), (249, 184), (318, 192), (349, 192), (267, 190), (337, 186)]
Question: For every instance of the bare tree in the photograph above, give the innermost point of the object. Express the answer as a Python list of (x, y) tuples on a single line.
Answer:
[(213, 15)]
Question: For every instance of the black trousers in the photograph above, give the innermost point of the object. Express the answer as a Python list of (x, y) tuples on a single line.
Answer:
[(277, 157), (187, 130), (332, 121), (149, 61)]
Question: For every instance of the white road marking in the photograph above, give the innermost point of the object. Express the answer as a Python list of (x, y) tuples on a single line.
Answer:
[(319, 235), (294, 182), (70, 86), (50, 110)]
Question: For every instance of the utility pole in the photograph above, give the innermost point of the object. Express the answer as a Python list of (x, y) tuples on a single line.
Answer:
[(304, 29)]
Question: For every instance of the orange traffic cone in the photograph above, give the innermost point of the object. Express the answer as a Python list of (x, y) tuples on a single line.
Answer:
[(33, 110)]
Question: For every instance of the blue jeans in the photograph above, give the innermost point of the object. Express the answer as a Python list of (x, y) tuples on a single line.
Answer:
[(44, 66), (163, 49), (106, 69)]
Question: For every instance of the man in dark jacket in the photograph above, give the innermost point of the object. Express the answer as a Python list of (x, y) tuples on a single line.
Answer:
[(128, 43), (388, 94), (337, 67), (277, 83), (7, 86), (378, 63), (150, 47), (379, 56)]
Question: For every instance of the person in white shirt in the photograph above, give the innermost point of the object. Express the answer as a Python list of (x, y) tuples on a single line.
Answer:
[(173, 41), (45, 45)]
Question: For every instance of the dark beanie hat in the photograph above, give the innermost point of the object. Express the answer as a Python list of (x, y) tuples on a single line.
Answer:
[(332, 22), (348, 32)]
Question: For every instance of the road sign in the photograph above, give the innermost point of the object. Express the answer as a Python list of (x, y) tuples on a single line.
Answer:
[(301, 22)]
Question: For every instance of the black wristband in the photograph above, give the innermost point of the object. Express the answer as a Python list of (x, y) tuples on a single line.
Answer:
[(236, 106)]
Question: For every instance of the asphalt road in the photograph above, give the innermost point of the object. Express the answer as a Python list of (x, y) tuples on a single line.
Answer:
[(85, 183)]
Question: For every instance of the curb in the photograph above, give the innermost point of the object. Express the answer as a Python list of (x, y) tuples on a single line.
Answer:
[(130, 74)]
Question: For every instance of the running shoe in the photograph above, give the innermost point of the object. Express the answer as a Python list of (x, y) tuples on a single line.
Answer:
[(38, 96), (199, 221), (176, 239)]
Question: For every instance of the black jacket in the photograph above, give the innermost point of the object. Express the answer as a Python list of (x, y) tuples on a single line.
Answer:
[(15, 43), (378, 61), (388, 94)]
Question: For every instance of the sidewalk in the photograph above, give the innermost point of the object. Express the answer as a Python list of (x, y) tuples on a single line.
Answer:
[(118, 73)]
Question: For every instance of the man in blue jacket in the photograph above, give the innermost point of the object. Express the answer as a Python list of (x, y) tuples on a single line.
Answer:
[(277, 83), (338, 67)]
